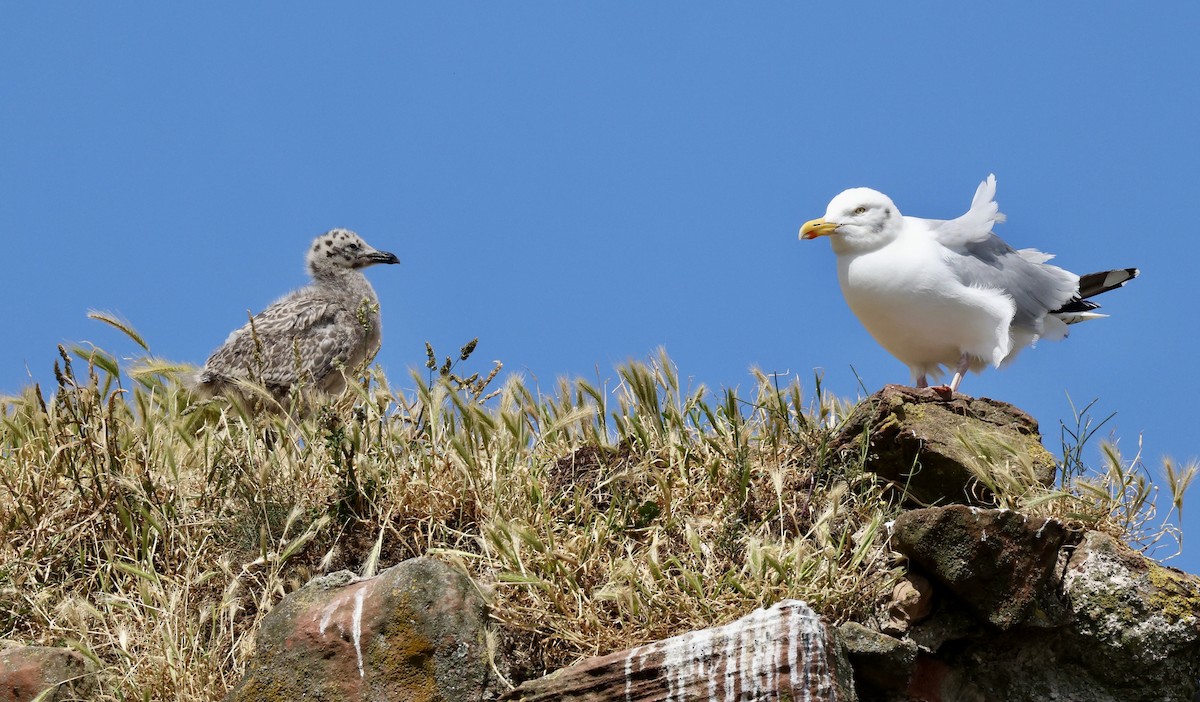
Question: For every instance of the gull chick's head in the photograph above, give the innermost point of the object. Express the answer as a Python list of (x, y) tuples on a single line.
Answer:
[(857, 219), (339, 250)]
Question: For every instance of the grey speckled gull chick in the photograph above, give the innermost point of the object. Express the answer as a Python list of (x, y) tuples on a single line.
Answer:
[(312, 337)]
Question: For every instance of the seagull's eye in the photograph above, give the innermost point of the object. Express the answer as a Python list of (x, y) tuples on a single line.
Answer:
[(353, 246), (860, 210)]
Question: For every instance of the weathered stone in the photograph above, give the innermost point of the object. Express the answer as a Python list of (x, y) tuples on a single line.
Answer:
[(911, 602), (925, 445), (780, 653), (29, 671), (1134, 612), (1034, 665), (934, 681), (998, 562), (414, 632), (879, 660), (1130, 632)]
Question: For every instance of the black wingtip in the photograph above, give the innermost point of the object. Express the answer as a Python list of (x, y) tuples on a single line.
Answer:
[(1094, 284), (1076, 306)]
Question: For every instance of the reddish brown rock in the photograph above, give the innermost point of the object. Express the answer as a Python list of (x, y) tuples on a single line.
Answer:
[(780, 653), (998, 562), (57, 673), (934, 681), (915, 440), (414, 632)]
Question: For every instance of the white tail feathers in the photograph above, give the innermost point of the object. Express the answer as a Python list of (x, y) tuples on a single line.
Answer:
[(1077, 317)]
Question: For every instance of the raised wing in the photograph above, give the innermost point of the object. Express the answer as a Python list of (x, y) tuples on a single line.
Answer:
[(976, 224)]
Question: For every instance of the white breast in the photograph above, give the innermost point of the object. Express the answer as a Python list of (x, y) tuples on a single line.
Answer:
[(912, 304)]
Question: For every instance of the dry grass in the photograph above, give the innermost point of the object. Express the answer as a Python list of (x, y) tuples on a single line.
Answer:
[(152, 534), (1120, 498)]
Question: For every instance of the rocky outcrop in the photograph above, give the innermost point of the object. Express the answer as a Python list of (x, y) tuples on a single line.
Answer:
[(1132, 614), (996, 605), (998, 562), (1025, 610), (43, 673), (780, 653), (925, 446), (992, 605), (414, 632)]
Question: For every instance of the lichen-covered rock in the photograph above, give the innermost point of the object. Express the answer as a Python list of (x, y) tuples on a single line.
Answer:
[(776, 654), (57, 673), (415, 632), (1136, 613), (1035, 665), (925, 445), (1126, 629), (998, 562)]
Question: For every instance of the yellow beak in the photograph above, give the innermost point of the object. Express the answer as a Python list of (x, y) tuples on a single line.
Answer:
[(817, 227)]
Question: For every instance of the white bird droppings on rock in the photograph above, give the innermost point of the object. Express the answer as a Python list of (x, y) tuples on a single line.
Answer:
[(745, 659)]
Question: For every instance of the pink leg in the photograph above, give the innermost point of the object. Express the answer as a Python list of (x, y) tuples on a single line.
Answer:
[(947, 391), (964, 362), (922, 382)]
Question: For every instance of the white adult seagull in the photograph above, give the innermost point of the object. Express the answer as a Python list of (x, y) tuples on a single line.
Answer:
[(950, 293)]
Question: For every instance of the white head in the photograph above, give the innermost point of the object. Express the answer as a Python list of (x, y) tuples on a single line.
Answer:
[(340, 250), (858, 219)]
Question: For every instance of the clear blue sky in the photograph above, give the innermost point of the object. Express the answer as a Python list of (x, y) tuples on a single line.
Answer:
[(577, 185)]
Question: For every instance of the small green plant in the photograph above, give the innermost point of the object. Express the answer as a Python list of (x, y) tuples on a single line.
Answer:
[(1121, 497)]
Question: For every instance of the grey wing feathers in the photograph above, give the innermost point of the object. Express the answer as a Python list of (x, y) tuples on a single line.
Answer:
[(1035, 287)]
